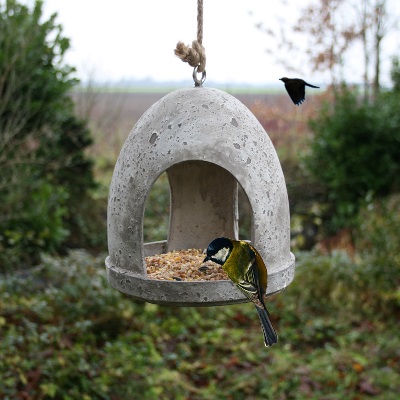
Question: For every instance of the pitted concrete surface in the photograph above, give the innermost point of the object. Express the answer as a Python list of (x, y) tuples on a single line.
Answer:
[(207, 140)]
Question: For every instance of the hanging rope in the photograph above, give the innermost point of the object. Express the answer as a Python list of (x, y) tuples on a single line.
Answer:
[(195, 56)]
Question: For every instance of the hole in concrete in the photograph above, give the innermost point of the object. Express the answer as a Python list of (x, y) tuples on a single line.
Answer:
[(156, 215), (157, 211), (245, 215)]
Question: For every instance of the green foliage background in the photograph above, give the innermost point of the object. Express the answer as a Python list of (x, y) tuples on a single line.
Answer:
[(46, 177), (66, 334), (354, 153)]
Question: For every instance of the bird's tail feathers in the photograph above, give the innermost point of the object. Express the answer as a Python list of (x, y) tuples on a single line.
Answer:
[(270, 336), (315, 87)]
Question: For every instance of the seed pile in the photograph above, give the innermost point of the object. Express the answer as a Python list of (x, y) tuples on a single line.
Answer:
[(183, 265)]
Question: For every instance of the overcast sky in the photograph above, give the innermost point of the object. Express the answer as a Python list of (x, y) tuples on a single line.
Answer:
[(135, 39)]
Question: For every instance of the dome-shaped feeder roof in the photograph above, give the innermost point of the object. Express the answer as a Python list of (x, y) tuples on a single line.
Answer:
[(207, 141)]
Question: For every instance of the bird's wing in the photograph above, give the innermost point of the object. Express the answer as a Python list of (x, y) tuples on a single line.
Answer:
[(296, 90), (261, 271), (250, 286)]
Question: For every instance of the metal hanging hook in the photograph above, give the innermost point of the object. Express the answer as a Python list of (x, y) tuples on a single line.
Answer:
[(198, 82)]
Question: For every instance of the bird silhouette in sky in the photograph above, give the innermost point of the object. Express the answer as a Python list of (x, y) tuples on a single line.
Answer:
[(296, 89)]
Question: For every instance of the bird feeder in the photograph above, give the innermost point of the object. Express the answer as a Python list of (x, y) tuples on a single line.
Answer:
[(207, 142)]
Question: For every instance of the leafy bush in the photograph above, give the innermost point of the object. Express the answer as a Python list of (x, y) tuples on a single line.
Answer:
[(33, 226), (66, 334), (378, 242), (42, 150), (395, 74), (354, 153)]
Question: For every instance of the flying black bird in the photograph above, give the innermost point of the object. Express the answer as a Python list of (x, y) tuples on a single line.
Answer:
[(296, 89)]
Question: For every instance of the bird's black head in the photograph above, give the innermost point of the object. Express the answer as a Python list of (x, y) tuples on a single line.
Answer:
[(219, 250), (284, 79)]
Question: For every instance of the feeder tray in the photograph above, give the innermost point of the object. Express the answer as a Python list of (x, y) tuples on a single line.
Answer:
[(207, 142)]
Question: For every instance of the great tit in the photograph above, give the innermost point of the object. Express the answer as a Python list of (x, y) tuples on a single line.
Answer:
[(246, 268), (296, 89)]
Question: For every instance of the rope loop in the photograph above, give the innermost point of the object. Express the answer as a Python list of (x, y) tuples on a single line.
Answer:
[(195, 56)]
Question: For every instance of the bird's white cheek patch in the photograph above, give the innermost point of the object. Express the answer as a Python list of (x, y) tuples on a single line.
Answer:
[(222, 254)]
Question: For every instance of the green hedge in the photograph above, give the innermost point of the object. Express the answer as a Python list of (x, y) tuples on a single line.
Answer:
[(46, 177), (355, 153)]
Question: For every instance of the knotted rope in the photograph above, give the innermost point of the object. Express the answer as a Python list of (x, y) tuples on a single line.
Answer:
[(195, 56)]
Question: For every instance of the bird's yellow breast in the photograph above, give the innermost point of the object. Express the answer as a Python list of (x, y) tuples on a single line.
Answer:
[(241, 259)]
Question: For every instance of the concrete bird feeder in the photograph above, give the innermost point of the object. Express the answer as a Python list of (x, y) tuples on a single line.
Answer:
[(208, 142)]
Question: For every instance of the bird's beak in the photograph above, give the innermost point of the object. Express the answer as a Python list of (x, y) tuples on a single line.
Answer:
[(206, 259)]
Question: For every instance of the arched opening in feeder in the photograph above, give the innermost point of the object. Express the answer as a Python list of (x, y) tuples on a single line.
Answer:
[(191, 181), (203, 205), (188, 206)]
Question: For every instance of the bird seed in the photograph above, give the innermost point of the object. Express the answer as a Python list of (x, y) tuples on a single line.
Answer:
[(183, 265)]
